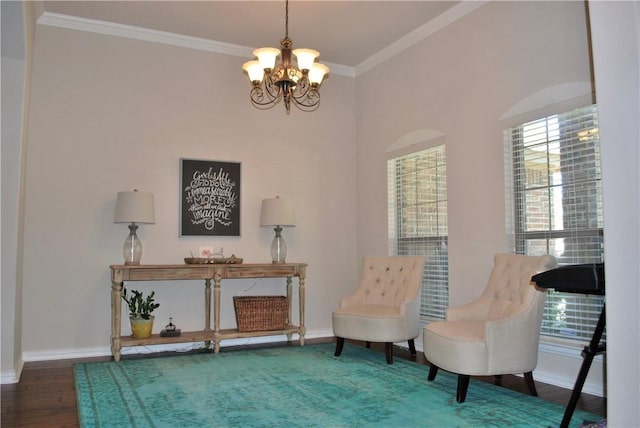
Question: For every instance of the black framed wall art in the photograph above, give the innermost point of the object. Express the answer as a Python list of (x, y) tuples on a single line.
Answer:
[(210, 198)]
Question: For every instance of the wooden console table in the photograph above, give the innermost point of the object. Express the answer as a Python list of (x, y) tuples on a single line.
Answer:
[(207, 272)]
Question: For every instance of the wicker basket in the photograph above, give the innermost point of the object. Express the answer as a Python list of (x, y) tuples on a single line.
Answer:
[(261, 313)]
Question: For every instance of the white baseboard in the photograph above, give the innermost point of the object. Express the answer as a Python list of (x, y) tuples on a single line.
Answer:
[(559, 365), (176, 347), (66, 354), (12, 376)]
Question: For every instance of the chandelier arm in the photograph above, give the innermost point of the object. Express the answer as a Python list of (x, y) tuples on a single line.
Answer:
[(302, 87), (308, 103), (306, 94), (307, 108), (259, 100)]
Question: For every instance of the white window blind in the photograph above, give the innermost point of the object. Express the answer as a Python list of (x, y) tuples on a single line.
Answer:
[(417, 212), (553, 165)]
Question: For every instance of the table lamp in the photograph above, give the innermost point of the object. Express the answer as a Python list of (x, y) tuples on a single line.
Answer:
[(277, 212), (133, 207)]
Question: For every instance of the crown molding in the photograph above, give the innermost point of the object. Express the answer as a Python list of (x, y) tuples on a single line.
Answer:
[(138, 33), (163, 37), (458, 11)]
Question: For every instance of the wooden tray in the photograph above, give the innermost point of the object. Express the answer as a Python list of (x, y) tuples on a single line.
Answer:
[(204, 260)]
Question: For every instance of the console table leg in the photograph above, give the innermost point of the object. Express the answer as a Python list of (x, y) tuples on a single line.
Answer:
[(116, 313), (301, 291), (207, 309), (288, 320), (217, 279)]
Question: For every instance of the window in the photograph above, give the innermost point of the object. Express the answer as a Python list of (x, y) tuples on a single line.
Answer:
[(417, 210), (554, 168)]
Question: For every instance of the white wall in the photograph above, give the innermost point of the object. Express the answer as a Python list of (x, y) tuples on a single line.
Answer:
[(463, 85), (111, 114), (18, 27), (13, 72), (616, 49)]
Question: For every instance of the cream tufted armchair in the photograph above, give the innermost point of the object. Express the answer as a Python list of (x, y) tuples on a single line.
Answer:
[(385, 306), (497, 333)]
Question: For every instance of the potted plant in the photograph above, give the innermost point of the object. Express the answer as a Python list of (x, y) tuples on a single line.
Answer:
[(140, 310)]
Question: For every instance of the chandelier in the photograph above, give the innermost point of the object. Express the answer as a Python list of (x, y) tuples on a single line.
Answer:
[(296, 83)]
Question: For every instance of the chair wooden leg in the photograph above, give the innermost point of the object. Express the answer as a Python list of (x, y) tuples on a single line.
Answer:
[(339, 346), (497, 380), (463, 385), (388, 350), (433, 371), (412, 347), (528, 377)]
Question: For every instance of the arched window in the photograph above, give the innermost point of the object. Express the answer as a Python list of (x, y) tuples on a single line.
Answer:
[(554, 205), (417, 213)]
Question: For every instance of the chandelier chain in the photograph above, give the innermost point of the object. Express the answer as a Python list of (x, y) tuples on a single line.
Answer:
[(286, 19)]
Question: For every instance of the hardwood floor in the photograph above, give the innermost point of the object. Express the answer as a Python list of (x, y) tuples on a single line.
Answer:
[(45, 395)]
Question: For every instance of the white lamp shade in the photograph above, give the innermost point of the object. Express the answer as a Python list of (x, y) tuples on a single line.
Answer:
[(267, 57), (134, 207), (277, 212), (318, 72), (305, 58), (253, 70)]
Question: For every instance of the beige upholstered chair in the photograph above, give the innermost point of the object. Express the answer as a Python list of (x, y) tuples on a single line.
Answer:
[(385, 306), (497, 333)]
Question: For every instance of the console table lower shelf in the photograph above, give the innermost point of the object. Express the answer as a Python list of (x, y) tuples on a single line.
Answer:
[(216, 273)]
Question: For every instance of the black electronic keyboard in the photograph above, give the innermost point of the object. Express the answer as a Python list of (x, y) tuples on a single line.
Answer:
[(585, 279)]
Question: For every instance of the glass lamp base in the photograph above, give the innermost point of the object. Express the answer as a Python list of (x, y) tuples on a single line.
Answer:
[(132, 248), (278, 247)]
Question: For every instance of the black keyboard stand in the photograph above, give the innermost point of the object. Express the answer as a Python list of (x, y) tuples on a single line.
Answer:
[(588, 353)]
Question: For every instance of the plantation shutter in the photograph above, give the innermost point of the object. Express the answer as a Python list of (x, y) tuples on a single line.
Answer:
[(417, 215), (557, 207)]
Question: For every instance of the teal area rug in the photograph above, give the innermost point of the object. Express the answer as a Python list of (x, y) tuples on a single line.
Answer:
[(292, 386)]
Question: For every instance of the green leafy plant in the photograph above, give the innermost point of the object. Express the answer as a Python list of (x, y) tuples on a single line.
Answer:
[(139, 306)]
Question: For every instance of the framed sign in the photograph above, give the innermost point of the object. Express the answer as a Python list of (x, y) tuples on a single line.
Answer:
[(210, 198)]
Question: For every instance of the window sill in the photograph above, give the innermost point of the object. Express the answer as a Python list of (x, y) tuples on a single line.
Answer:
[(564, 347)]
